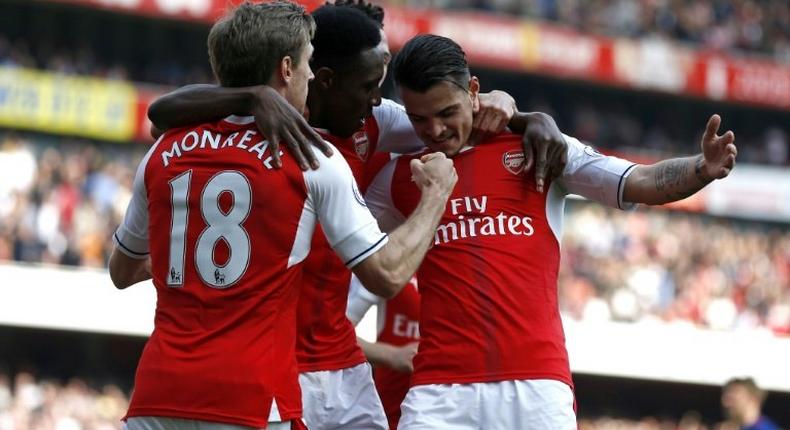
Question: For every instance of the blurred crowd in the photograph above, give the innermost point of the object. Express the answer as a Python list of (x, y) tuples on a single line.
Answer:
[(659, 265), (176, 55), (28, 403), (723, 25), (690, 421), (31, 404), (612, 124), (60, 201), (83, 60)]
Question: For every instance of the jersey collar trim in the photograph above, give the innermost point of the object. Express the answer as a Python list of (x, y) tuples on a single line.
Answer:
[(240, 120)]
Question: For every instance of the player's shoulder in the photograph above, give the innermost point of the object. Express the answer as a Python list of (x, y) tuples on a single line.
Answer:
[(389, 105), (387, 110), (331, 168), (334, 159)]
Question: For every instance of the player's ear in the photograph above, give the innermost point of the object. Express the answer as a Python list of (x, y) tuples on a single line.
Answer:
[(325, 77), (286, 69), (474, 91)]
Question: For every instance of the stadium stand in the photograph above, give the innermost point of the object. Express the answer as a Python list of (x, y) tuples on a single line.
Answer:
[(721, 25)]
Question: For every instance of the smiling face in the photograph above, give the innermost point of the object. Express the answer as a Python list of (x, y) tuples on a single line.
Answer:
[(442, 115), (353, 93)]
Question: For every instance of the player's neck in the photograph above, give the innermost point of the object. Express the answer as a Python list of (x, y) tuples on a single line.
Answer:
[(316, 117)]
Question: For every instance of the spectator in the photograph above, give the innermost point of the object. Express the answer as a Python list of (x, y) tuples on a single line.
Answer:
[(659, 264), (742, 401)]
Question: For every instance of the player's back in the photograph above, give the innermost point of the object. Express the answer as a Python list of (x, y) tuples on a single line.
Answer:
[(223, 229)]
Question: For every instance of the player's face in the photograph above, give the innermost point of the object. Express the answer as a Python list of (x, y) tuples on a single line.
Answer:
[(734, 400), (354, 93), (442, 116), (296, 92)]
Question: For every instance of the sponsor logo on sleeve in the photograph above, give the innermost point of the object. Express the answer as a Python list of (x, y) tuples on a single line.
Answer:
[(592, 152), (514, 161), (357, 194)]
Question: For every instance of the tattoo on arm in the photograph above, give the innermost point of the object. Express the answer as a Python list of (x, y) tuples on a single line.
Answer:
[(670, 174), (673, 179)]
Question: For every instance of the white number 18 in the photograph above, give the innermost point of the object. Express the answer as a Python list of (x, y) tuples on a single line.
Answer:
[(221, 226)]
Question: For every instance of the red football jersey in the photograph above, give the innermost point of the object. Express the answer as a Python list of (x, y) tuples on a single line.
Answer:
[(401, 316), (327, 340), (489, 284), (227, 236)]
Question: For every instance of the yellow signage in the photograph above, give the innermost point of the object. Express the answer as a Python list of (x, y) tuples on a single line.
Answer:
[(61, 104)]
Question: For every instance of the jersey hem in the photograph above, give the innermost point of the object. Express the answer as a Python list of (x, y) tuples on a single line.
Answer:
[(473, 379), (332, 365), (217, 418)]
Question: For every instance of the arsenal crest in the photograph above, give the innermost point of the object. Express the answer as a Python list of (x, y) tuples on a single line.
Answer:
[(361, 144), (514, 161)]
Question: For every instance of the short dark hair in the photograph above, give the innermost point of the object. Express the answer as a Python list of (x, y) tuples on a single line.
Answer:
[(246, 46), (428, 59), (749, 385), (341, 34), (375, 12)]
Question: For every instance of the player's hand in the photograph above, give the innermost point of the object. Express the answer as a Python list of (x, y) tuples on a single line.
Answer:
[(718, 152), (282, 123), (402, 357), (544, 146), (496, 110), (434, 171)]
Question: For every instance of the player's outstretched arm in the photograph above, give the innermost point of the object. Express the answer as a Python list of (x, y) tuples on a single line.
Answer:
[(274, 116), (126, 271), (678, 178), (388, 270), (543, 145)]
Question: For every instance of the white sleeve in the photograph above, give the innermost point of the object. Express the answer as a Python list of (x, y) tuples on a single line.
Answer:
[(595, 176), (131, 237), (396, 133), (359, 301), (332, 194), (379, 198)]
